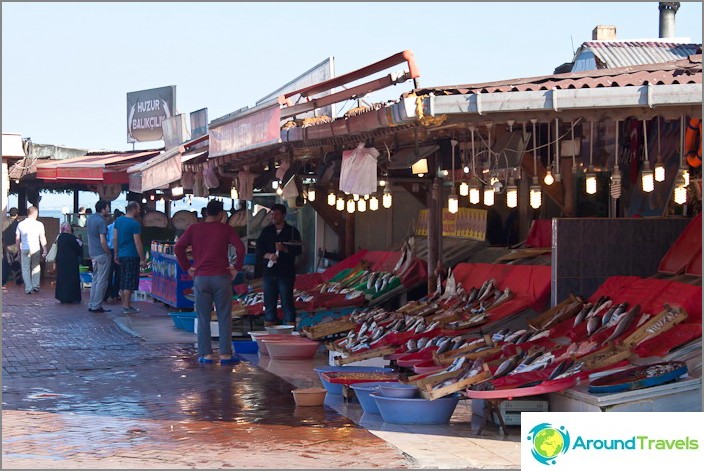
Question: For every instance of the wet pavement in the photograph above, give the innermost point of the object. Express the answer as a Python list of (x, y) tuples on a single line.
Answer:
[(80, 391)]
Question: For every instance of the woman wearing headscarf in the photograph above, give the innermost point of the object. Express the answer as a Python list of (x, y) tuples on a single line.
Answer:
[(68, 255)]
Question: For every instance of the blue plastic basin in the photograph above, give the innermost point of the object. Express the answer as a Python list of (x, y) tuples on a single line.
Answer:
[(399, 390), (334, 388), (245, 346), (363, 391), (416, 411)]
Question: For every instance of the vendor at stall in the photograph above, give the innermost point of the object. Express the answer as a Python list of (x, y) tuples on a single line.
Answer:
[(277, 247)]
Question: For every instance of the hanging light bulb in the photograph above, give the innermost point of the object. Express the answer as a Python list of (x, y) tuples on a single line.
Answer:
[(382, 183), (234, 194), (355, 197), (680, 190), (373, 203), (366, 197), (647, 178), (361, 205), (474, 192), (144, 201), (152, 197), (275, 184), (616, 183), (549, 179), (311, 193), (659, 167), (489, 195), (279, 191), (685, 175), (340, 204), (386, 199), (511, 193), (536, 196), (331, 198), (453, 204), (464, 189), (351, 206), (466, 169), (591, 181)]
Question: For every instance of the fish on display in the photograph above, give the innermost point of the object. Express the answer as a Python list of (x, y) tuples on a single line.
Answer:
[(592, 325), (573, 369), (539, 335), (604, 306), (499, 336), (582, 314), (624, 323), (507, 366), (514, 336), (472, 296), (371, 280), (561, 368), (411, 346), (444, 346)]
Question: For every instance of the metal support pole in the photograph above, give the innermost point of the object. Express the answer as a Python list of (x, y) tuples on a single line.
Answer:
[(434, 232)]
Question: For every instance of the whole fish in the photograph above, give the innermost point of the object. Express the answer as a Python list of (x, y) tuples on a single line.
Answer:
[(624, 323), (371, 280), (499, 336), (444, 346), (514, 336), (508, 365), (539, 335), (605, 305), (420, 328), (432, 326), (592, 325), (574, 369), (472, 296), (561, 367), (411, 345)]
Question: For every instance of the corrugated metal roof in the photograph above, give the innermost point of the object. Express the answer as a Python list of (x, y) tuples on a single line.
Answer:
[(688, 70), (612, 54)]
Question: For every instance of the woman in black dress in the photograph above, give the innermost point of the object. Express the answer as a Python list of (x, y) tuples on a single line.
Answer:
[(68, 255)]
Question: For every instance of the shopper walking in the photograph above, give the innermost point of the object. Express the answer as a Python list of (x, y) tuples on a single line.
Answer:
[(277, 247), (113, 291), (30, 237), (100, 255), (127, 234), (212, 277), (69, 252), (11, 265)]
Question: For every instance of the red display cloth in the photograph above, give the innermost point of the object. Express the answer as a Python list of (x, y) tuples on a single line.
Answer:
[(540, 233), (307, 281), (685, 248), (530, 284), (349, 262), (695, 265)]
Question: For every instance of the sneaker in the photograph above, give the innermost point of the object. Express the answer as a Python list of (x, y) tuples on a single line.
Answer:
[(100, 309), (36, 290), (130, 310)]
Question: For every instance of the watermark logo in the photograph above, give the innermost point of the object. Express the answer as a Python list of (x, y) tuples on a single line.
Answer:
[(548, 442)]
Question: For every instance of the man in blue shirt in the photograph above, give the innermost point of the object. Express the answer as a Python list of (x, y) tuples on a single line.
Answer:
[(113, 292), (99, 254), (129, 254)]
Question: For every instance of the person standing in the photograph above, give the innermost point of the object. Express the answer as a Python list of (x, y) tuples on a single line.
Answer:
[(69, 252), (100, 255), (127, 234), (212, 277), (113, 291), (30, 237), (279, 244), (10, 250)]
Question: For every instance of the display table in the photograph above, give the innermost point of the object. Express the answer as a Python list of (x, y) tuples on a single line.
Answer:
[(170, 284)]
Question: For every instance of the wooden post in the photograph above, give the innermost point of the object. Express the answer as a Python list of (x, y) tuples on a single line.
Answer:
[(349, 235), (434, 231), (75, 201), (22, 201), (568, 184)]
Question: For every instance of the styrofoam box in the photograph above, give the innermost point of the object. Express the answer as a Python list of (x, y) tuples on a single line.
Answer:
[(511, 410), (214, 329), (379, 361)]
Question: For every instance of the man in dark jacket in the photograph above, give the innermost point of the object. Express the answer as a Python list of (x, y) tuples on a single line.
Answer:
[(277, 247)]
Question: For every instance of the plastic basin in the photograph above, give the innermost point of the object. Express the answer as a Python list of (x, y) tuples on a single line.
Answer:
[(416, 411), (280, 329), (291, 350), (309, 396), (335, 388), (398, 390), (427, 367), (270, 338), (363, 392)]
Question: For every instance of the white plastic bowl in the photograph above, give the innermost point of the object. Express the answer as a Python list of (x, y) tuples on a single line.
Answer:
[(280, 329)]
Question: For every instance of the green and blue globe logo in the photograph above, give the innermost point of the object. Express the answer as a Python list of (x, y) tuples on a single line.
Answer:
[(548, 442)]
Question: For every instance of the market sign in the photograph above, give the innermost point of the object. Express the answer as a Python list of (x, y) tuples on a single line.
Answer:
[(467, 223), (246, 130), (146, 110)]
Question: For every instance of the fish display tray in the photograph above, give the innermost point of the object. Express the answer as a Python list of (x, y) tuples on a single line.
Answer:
[(471, 355), (372, 353), (428, 392), (605, 357), (538, 322), (354, 377), (640, 334), (337, 326), (637, 378)]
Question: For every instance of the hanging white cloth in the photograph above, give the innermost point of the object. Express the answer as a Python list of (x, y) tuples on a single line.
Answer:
[(358, 172)]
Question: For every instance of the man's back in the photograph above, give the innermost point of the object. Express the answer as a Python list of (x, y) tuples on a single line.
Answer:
[(126, 229), (30, 230), (96, 227), (210, 242)]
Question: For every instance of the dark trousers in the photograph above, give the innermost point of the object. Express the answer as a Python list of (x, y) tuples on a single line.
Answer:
[(275, 286), (113, 290), (11, 266)]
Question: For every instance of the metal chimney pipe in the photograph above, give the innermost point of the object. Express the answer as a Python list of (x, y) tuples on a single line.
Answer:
[(668, 10)]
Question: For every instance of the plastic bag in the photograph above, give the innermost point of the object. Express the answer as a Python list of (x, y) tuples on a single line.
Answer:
[(187, 180), (199, 188), (51, 256), (210, 178), (358, 171)]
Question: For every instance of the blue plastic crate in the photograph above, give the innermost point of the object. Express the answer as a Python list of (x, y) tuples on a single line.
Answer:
[(184, 320)]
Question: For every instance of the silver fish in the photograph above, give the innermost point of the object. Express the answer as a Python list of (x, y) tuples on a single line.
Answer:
[(422, 342), (508, 365), (624, 323), (539, 335), (444, 346), (411, 345), (514, 336), (420, 328), (592, 325), (559, 369), (605, 305), (432, 326), (371, 280)]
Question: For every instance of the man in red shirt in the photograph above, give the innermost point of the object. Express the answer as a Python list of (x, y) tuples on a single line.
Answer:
[(212, 277)]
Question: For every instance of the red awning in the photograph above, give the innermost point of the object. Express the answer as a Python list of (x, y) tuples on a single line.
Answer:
[(106, 168)]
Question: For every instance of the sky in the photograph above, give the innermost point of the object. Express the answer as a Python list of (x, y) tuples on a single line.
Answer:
[(67, 67)]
